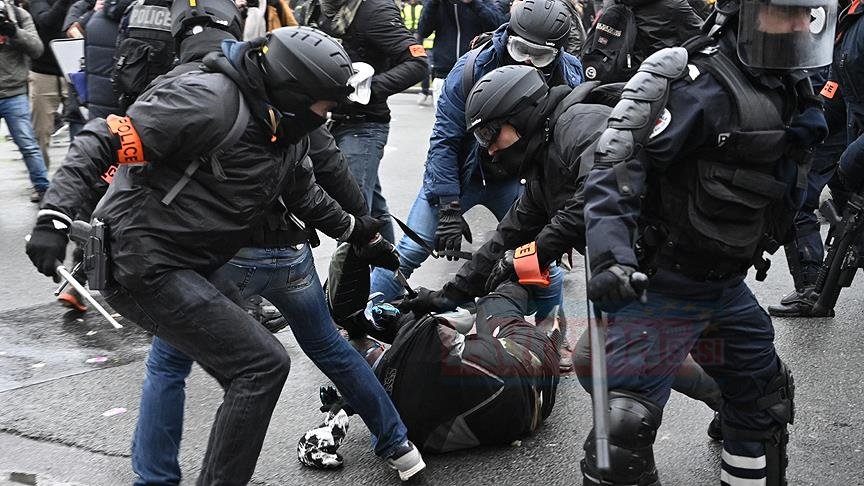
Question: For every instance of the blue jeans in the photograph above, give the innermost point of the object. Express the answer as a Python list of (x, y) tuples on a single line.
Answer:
[(498, 197), (287, 278), (362, 144), (16, 111)]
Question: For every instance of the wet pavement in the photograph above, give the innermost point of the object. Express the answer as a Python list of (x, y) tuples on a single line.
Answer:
[(64, 419)]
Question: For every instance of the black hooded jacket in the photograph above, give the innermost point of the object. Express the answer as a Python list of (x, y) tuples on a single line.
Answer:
[(180, 117), (550, 209), (663, 23)]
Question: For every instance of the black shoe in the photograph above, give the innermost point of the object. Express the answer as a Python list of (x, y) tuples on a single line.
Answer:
[(36, 196), (715, 431), (798, 303)]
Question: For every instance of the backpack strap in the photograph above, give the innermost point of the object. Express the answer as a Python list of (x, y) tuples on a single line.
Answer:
[(230, 139), (468, 68)]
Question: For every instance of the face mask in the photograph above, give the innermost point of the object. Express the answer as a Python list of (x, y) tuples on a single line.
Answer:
[(294, 126)]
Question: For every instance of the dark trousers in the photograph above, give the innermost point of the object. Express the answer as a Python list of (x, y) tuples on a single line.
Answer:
[(194, 315)]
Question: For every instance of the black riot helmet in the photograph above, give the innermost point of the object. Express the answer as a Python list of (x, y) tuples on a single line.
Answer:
[(302, 65), (186, 15), (541, 22), (786, 35), (503, 96)]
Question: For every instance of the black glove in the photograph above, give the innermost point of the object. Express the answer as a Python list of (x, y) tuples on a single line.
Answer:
[(611, 289), (501, 272), (427, 301), (8, 28), (47, 245), (451, 228), (365, 229), (378, 253)]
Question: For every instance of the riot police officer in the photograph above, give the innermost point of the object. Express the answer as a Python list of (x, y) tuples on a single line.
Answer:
[(701, 169), (182, 210)]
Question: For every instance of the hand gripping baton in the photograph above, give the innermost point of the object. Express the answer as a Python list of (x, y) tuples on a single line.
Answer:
[(599, 379), (63, 272)]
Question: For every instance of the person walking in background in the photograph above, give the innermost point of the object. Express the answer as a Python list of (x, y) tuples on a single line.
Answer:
[(19, 43), (411, 11), (455, 23)]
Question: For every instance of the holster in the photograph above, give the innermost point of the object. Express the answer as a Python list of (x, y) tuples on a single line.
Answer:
[(97, 257)]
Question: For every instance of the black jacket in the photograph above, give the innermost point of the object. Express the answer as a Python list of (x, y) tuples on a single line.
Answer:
[(550, 209), (377, 36), (48, 16), (178, 119), (662, 23), (99, 47)]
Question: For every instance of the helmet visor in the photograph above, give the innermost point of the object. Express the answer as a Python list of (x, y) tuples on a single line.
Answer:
[(488, 132), (522, 50), (786, 34)]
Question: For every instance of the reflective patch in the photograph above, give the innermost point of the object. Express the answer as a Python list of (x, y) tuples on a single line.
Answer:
[(417, 50), (730, 480), (693, 72), (743, 462), (829, 90), (661, 123)]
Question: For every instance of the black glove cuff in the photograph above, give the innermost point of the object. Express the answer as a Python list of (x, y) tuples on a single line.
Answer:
[(455, 294)]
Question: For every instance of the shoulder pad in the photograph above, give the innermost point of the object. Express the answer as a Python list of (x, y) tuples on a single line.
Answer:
[(670, 62), (645, 86), (614, 146)]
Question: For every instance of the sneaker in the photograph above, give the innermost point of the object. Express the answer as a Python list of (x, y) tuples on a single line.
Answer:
[(715, 430), (407, 460), (424, 100), (72, 300), (36, 196)]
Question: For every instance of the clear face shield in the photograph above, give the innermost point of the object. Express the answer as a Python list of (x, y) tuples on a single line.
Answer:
[(522, 50), (361, 81), (786, 34)]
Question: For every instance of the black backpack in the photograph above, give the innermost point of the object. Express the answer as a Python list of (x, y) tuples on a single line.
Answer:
[(145, 49), (609, 51)]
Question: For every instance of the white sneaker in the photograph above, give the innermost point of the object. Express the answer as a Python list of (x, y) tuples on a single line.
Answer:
[(424, 100), (407, 460)]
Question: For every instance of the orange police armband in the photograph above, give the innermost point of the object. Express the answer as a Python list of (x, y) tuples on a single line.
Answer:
[(829, 90), (417, 50), (527, 266), (131, 150)]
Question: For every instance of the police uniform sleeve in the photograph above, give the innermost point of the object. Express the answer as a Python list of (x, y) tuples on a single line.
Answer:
[(408, 64), (520, 225), (332, 173), (690, 120), (308, 201)]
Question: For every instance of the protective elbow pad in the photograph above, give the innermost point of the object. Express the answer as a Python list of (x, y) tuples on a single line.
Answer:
[(633, 424)]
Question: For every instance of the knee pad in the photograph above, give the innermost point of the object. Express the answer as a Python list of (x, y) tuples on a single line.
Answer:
[(779, 402), (633, 424)]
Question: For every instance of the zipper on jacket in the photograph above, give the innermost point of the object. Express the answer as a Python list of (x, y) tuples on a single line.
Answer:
[(458, 31)]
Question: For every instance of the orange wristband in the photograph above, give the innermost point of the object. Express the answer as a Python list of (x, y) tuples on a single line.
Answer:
[(527, 266)]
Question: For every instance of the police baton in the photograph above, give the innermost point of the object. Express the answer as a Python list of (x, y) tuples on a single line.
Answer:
[(599, 378), (63, 272)]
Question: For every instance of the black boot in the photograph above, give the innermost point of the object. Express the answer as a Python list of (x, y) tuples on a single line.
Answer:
[(715, 430), (797, 303)]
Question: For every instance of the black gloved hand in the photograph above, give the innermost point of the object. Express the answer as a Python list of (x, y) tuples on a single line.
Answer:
[(8, 28), (611, 290), (501, 272), (378, 253), (47, 245), (365, 229), (428, 301), (451, 228)]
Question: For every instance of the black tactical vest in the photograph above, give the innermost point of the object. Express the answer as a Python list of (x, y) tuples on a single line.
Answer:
[(145, 48), (717, 214)]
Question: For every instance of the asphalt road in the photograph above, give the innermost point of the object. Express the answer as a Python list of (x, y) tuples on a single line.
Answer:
[(60, 373)]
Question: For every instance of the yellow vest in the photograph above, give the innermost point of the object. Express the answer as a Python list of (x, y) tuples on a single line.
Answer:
[(411, 17)]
